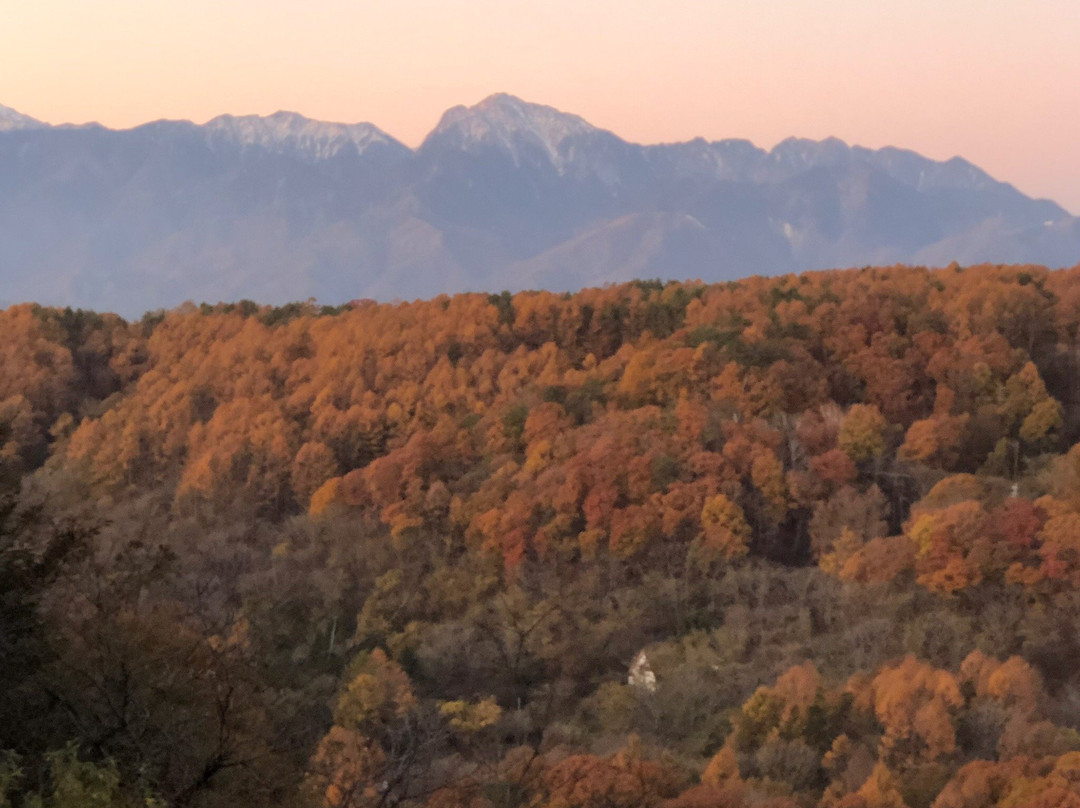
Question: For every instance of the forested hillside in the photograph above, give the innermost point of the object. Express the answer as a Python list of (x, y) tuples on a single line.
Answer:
[(408, 554)]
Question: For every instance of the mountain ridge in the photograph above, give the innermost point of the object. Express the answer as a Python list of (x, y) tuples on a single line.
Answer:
[(505, 106), (11, 120), (501, 194)]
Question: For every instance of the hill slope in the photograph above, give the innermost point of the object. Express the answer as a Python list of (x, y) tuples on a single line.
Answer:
[(800, 542)]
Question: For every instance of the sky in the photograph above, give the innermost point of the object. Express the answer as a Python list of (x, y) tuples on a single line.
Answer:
[(995, 81)]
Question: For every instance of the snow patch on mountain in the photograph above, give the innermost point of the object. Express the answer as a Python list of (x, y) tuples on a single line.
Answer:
[(513, 126), (288, 131), (800, 154)]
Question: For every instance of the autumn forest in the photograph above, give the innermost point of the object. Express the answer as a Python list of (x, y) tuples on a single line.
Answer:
[(796, 542)]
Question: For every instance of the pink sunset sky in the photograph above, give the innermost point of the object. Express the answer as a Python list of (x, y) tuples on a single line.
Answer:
[(996, 81)]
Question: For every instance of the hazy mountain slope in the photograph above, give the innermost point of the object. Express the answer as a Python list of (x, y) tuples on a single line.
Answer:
[(503, 194), (168, 211), (10, 120)]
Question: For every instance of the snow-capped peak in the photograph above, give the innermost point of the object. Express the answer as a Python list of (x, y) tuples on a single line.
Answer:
[(510, 123), (283, 131), (11, 120)]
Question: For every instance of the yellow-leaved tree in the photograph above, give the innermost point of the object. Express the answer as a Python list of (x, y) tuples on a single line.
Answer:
[(724, 532)]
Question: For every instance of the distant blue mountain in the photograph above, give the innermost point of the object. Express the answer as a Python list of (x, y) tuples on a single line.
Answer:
[(501, 195)]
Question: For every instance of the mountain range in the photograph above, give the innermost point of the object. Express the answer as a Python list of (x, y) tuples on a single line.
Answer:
[(500, 195)]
